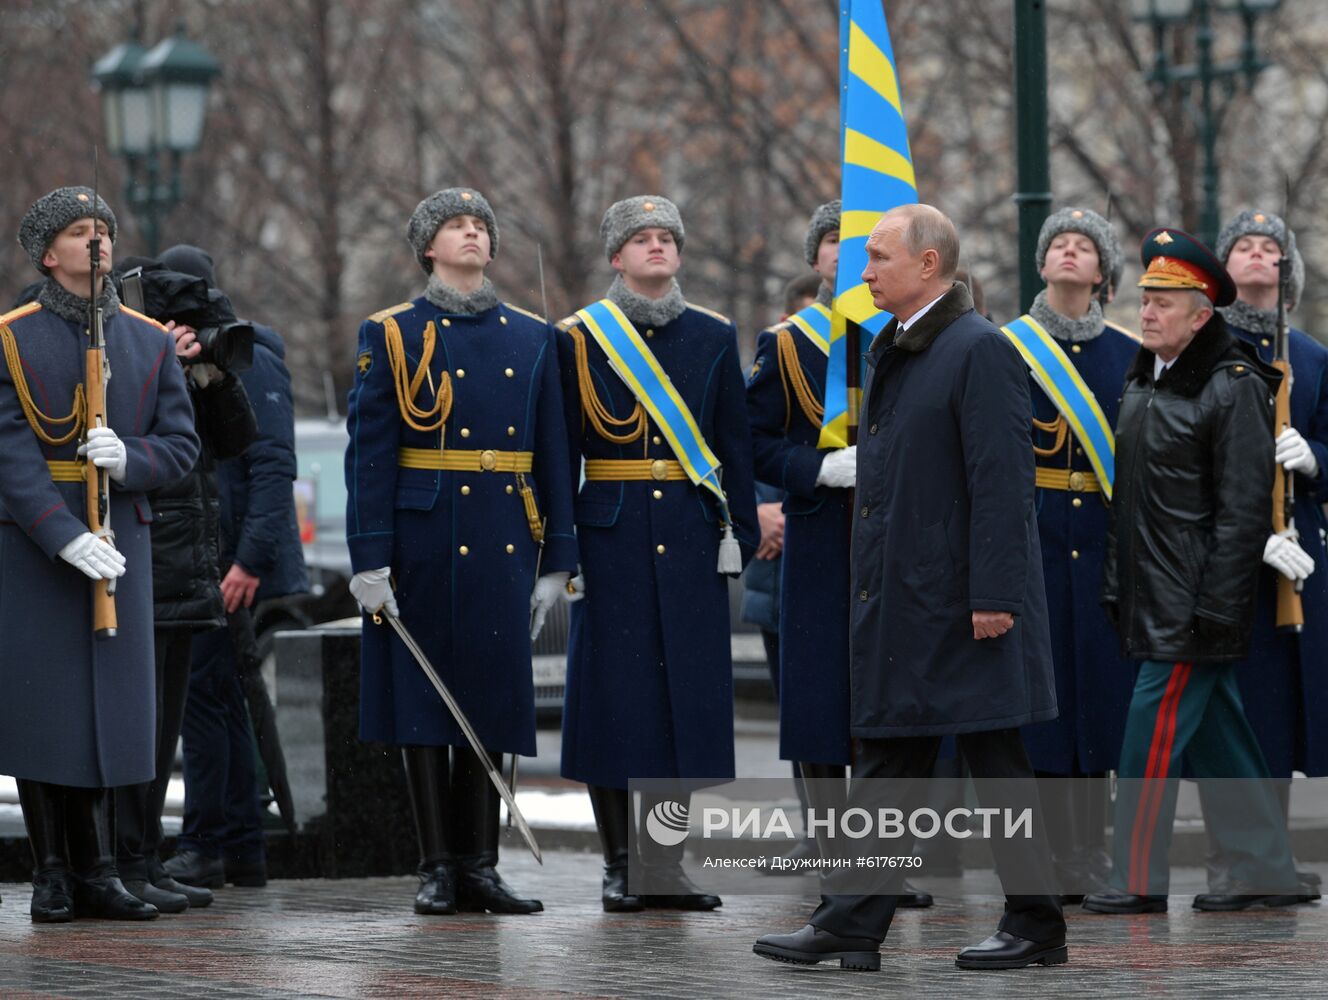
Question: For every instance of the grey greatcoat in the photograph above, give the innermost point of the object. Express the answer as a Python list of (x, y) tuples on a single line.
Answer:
[(75, 710), (945, 526)]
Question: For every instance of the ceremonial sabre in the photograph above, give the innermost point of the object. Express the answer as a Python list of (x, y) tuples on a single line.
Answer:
[(513, 809)]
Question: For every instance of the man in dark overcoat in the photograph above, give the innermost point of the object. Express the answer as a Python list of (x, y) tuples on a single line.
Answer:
[(457, 481), (649, 664), (949, 620), (77, 713)]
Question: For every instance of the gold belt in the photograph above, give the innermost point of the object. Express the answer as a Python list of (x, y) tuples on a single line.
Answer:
[(1064, 479), (461, 460), (66, 472), (659, 469)]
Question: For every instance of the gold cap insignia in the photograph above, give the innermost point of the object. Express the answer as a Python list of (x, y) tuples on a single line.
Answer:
[(1163, 238), (1077, 214), (83, 197), (1261, 217), (648, 206), (465, 196)]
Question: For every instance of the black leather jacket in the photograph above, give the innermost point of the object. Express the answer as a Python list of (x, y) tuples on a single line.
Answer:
[(1192, 505)]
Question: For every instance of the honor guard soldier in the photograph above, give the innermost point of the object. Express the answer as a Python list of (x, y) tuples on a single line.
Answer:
[(1191, 507), (786, 402), (458, 508), (1077, 363), (1284, 682), (649, 667), (77, 716)]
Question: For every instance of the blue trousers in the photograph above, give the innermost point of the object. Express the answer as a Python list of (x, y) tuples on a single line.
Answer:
[(222, 816)]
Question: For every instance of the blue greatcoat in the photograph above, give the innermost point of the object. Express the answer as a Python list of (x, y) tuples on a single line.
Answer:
[(75, 710), (461, 552), (1093, 682), (1284, 683), (649, 664), (813, 632)]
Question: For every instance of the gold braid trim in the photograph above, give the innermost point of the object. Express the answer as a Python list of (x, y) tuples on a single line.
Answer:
[(594, 409), (790, 370), (1060, 426), (407, 386), (36, 418)]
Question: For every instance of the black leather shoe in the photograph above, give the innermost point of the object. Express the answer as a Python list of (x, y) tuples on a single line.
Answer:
[(812, 944), (247, 874), (913, 898), (615, 897), (52, 900), (1122, 902), (194, 868), (437, 892), (1004, 950), (480, 888), (198, 896), (166, 902), (1223, 902), (674, 890), (105, 896)]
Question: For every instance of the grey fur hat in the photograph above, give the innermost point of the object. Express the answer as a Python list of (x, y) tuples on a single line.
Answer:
[(627, 217), (51, 213), (1252, 222), (1110, 258), (824, 219), (440, 206)]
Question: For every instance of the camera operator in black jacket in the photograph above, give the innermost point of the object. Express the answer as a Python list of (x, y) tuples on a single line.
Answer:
[(186, 571)]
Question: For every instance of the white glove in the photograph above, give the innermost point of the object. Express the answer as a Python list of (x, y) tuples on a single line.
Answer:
[(205, 374), (94, 558), (105, 450), (1283, 554), (839, 468), (548, 590), (373, 589), (1294, 453), (576, 589)]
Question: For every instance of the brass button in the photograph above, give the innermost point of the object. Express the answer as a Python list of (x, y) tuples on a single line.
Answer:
[(862, 595), (1078, 451), (658, 494), (488, 460), (506, 371), (502, 320), (656, 439), (650, 333), (659, 549), (1265, 342), (461, 373), (866, 510), (510, 549), (1078, 481), (446, 321), (1076, 348), (465, 491), (509, 487), (1076, 502), (1074, 553), (464, 550), (511, 431), (659, 470), (465, 432), (873, 428)]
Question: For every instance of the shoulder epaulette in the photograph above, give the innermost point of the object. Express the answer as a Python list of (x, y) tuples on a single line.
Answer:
[(525, 312), (27, 309), (782, 325), (383, 314), (1120, 329), (567, 323), (146, 319), (709, 312)]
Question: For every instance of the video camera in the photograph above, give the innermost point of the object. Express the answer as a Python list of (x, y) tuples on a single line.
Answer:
[(151, 288)]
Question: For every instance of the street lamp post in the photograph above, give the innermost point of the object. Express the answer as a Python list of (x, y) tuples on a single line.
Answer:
[(153, 104), (1174, 15)]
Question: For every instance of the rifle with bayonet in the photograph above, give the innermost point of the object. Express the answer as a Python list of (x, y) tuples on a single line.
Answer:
[(1290, 611), (97, 480)]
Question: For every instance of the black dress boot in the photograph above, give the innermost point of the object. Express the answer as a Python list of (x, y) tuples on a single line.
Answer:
[(613, 818), (90, 832), (427, 780), (661, 867), (196, 895), (44, 816), (475, 838)]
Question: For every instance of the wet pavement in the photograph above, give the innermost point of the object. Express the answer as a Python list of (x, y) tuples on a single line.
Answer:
[(359, 938)]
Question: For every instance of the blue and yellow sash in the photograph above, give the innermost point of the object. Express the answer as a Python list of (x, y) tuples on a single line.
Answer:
[(1057, 376), (642, 373), (827, 331), (814, 322)]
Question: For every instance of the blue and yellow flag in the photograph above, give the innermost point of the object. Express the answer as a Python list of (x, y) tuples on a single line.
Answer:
[(877, 176)]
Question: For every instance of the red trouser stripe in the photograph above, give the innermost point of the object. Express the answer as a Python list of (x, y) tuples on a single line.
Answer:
[(1159, 762)]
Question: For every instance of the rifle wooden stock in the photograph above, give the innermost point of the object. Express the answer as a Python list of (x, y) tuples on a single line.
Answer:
[(1290, 612), (104, 622)]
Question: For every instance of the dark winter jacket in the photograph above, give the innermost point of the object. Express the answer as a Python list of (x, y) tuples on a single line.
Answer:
[(258, 526), (1192, 506), (186, 569)]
